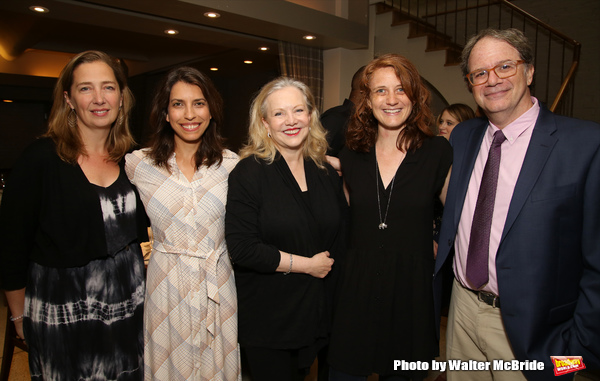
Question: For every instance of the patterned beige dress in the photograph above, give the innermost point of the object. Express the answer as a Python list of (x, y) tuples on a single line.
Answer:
[(190, 316)]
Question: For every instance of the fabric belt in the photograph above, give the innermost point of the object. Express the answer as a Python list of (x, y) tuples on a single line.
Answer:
[(487, 297)]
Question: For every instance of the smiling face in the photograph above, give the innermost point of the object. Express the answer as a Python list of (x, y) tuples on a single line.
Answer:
[(390, 104), (287, 119), (502, 100), (188, 113), (94, 95), (446, 124)]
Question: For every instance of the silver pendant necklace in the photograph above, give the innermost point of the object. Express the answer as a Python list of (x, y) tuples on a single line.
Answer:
[(382, 224)]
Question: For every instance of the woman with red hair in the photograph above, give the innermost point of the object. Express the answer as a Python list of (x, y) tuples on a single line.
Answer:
[(393, 167)]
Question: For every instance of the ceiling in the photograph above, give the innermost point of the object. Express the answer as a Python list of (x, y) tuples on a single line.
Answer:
[(39, 45)]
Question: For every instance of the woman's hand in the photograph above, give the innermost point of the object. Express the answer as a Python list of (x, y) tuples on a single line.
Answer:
[(320, 265), (335, 163)]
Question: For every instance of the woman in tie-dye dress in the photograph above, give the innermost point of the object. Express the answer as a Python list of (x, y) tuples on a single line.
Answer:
[(70, 226), (190, 316)]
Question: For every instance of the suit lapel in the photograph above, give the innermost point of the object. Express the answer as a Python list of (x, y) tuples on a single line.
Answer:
[(541, 145)]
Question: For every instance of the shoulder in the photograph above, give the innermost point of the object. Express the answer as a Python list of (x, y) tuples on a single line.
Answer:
[(570, 133), (249, 166), (353, 162), (346, 154), (138, 162), (230, 160), (41, 149), (463, 130), (584, 129), (230, 155), (334, 112), (468, 125), (134, 158), (41, 153), (438, 143), (442, 145)]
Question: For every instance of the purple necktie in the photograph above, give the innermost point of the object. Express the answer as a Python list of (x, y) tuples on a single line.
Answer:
[(479, 243)]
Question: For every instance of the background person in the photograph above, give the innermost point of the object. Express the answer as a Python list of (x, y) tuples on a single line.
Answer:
[(452, 115), (71, 226), (191, 310), (335, 120), (284, 227), (393, 168), (527, 272)]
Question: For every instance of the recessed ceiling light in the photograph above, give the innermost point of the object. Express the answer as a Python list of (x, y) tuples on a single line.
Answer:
[(309, 37), (214, 69), (212, 15), (39, 9), (172, 31), (264, 48), (248, 62)]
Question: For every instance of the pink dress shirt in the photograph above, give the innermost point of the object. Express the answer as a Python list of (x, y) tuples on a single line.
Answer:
[(518, 135)]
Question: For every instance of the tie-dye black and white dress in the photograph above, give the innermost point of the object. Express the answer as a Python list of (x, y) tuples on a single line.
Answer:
[(85, 323)]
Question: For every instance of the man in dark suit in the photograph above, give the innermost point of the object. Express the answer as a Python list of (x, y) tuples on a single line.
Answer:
[(335, 120), (523, 238)]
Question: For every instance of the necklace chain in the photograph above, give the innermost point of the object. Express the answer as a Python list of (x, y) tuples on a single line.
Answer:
[(382, 224)]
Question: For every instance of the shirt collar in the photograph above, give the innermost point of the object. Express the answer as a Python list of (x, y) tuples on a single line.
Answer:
[(521, 125)]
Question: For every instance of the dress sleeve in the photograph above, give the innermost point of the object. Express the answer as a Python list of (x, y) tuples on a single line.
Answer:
[(242, 231), (132, 160), (19, 216)]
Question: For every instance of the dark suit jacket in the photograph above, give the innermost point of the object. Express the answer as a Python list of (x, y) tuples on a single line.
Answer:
[(548, 261), (335, 120)]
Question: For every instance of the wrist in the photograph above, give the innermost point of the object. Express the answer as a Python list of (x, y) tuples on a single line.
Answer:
[(16, 318), (291, 264)]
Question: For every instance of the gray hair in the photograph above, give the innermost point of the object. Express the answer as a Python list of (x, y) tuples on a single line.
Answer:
[(512, 36)]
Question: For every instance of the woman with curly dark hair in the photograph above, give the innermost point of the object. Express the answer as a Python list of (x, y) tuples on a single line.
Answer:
[(393, 169)]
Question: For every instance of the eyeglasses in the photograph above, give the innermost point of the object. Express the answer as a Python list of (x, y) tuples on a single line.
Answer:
[(505, 70)]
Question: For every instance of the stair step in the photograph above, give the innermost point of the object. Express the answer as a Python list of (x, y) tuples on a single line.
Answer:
[(436, 41)]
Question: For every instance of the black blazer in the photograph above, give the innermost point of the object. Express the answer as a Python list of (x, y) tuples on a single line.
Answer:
[(267, 212)]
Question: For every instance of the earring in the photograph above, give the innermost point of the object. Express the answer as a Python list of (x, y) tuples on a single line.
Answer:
[(72, 118), (268, 134), (120, 118)]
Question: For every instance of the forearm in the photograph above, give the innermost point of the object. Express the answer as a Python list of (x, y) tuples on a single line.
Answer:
[(293, 263), (317, 266)]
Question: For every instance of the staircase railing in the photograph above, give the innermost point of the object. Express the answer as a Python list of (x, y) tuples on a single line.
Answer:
[(556, 55)]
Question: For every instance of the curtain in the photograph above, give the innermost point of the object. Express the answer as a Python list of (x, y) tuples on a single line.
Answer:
[(305, 64)]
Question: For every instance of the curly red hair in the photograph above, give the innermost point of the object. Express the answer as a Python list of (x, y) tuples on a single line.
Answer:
[(362, 127)]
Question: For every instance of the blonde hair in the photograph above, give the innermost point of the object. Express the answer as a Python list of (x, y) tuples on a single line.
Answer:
[(263, 147), (66, 138)]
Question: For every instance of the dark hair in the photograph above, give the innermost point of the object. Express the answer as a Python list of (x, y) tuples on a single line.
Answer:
[(362, 128), (512, 36), (67, 139), (162, 144)]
